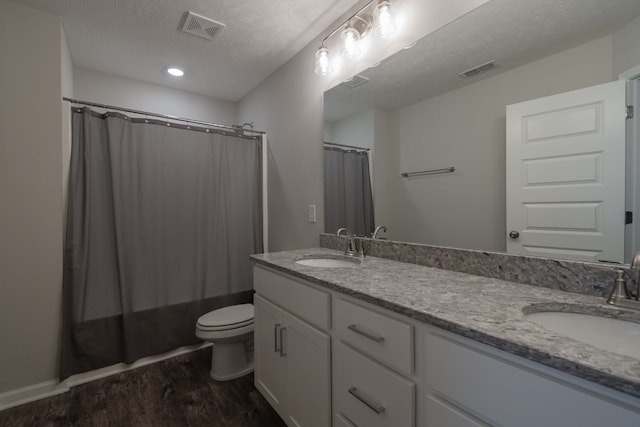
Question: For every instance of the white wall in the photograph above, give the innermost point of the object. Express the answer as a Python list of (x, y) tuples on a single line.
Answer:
[(465, 128), (626, 47), (289, 106), (103, 88), (356, 130), (30, 196)]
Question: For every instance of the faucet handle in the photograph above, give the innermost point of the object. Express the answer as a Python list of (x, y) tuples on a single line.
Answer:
[(636, 260), (619, 291)]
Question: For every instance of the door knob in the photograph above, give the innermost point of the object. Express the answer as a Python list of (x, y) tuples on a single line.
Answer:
[(514, 234)]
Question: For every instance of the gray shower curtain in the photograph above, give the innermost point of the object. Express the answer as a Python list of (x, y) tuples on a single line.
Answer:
[(161, 221), (348, 200)]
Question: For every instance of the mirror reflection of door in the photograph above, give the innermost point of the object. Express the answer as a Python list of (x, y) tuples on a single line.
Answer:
[(348, 199), (565, 169)]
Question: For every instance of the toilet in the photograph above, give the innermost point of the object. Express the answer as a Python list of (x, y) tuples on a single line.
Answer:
[(230, 329)]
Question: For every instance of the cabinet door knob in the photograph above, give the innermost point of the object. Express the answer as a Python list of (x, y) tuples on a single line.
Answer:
[(514, 234)]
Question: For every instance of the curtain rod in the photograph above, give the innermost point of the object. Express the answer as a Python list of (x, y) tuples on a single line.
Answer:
[(235, 128), (347, 146)]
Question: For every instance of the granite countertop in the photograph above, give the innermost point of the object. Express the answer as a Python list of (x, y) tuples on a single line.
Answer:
[(486, 310)]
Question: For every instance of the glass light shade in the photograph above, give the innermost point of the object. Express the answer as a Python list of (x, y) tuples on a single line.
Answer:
[(383, 24), (350, 43), (323, 67)]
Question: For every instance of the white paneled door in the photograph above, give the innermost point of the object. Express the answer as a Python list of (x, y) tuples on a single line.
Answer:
[(566, 175)]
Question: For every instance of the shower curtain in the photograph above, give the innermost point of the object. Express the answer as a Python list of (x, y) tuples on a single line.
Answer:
[(161, 221), (348, 199)]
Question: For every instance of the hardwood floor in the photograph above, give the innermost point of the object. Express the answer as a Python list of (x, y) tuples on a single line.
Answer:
[(174, 392)]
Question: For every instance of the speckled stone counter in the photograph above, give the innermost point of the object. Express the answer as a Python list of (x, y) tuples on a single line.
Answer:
[(484, 309)]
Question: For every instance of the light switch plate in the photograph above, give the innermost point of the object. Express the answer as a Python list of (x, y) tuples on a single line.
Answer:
[(311, 210)]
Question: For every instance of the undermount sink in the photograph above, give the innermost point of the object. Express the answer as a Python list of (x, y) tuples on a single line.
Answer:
[(328, 262), (614, 335)]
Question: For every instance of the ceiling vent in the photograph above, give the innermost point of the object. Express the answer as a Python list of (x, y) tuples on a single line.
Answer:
[(478, 70), (200, 26), (355, 81)]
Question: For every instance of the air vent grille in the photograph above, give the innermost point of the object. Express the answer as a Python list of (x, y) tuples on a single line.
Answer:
[(478, 70), (201, 26), (355, 81)]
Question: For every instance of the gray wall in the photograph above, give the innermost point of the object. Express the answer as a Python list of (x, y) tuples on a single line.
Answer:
[(30, 195)]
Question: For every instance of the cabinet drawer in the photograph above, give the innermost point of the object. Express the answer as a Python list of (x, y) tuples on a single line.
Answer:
[(302, 300), (440, 413), (383, 338), (367, 394), (501, 392)]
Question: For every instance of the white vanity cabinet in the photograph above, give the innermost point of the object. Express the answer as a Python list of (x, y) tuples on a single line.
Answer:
[(324, 358), (292, 369), (471, 384)]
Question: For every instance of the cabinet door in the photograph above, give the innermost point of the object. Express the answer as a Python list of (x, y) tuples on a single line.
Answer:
[(270, 369), (307, 353)]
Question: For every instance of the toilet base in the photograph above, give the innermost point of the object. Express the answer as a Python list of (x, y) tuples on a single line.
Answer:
[(231, 360), (230, 377)]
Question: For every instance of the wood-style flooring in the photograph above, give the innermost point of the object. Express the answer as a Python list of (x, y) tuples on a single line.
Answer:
[(173, 392)]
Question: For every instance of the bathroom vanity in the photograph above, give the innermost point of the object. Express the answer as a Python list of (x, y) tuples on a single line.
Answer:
[(385, 343)]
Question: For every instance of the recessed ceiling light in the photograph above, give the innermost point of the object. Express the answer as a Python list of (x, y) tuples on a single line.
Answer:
[(176, 72)]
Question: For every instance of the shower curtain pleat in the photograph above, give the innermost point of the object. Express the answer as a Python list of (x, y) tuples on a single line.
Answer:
[(161, 223), (348, 196)]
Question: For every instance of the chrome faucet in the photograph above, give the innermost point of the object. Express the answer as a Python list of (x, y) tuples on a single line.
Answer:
[(377, 230), (620, 294), (351, 248)]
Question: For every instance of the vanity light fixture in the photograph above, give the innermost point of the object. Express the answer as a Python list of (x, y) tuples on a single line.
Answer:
[(350, 43), (354, 29), (384, 25), (323, 67), (176, 72)]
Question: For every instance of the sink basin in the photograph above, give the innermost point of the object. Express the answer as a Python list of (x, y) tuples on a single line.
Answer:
[(327, 263), (616, 336)]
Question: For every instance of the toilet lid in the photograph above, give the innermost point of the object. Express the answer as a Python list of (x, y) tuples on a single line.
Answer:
[(227, 316)]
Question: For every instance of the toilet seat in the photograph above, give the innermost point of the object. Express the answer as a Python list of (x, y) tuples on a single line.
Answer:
[(232, 317), (224, 327)]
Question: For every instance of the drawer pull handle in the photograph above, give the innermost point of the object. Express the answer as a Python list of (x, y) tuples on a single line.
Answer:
[(275, 338), (378, 409), (282, 337), (357, 330)]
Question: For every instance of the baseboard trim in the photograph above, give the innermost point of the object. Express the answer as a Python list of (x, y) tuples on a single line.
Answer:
[(45, 389), (97, 374), (31, 393)]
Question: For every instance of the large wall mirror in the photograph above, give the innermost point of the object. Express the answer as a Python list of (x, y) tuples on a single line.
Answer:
[(414, 112)]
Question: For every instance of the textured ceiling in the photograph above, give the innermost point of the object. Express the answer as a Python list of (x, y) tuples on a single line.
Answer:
[(140, 38), (511, 32)]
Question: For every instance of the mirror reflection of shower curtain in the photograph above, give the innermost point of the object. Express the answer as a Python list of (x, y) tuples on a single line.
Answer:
[(161, 222), (348, 199)]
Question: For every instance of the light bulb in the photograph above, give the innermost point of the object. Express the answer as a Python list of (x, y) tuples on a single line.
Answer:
[(384, 26), (323, 67), (176, 72), (350, 43)]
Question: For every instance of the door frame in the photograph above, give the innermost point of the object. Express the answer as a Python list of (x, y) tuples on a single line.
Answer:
[(632, 196)]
